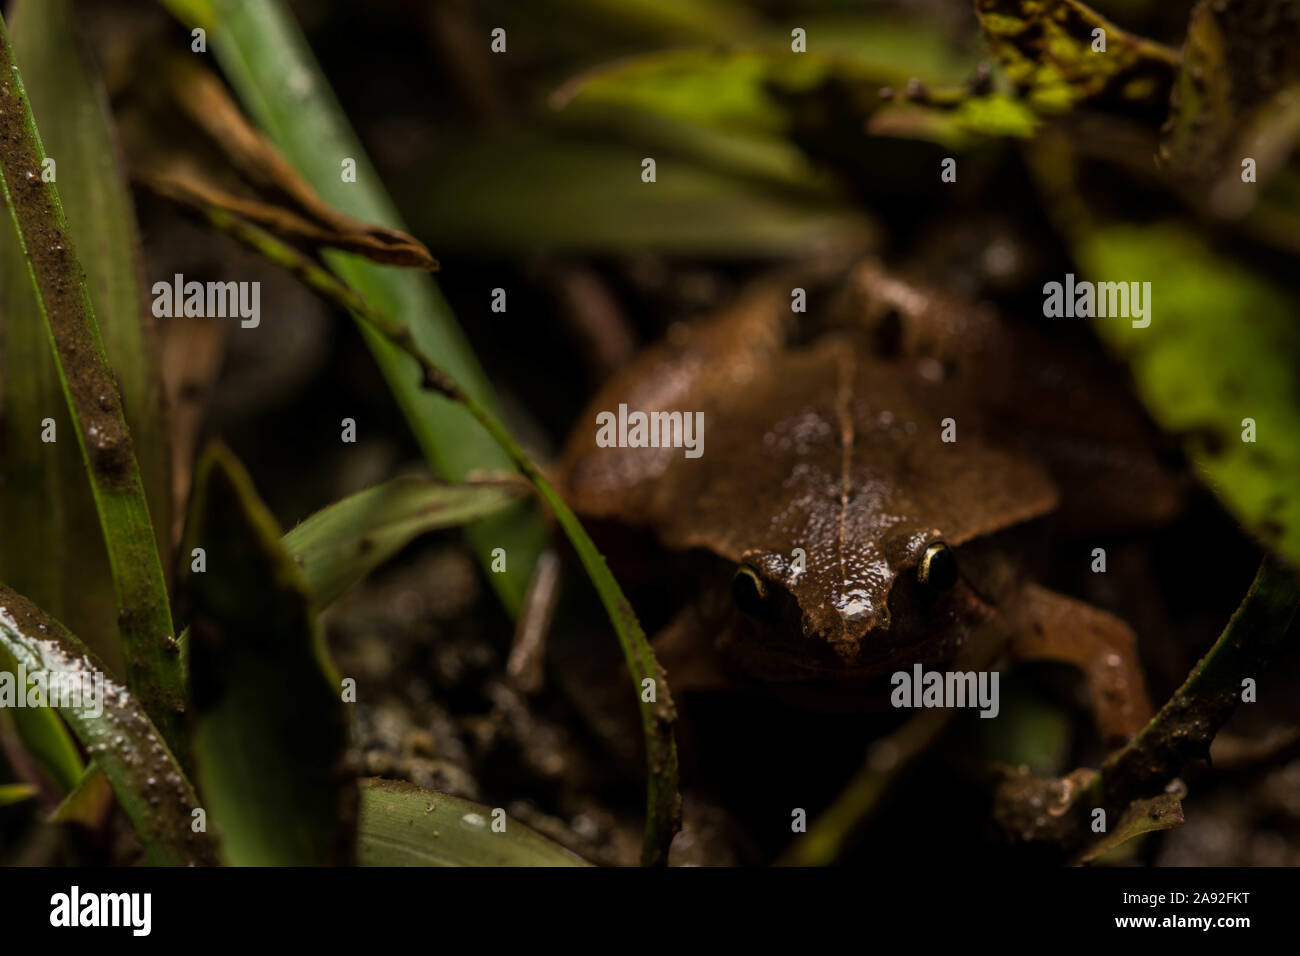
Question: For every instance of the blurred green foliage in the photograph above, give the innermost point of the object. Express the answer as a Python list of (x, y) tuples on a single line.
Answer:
[(402, 825), (1223, 346), (270, 725)]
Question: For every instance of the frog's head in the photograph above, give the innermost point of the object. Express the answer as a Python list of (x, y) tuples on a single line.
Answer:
[(853, 610)]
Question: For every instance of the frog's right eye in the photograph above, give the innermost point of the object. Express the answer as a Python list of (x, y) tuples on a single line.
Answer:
[(937, 568), (750, 592)]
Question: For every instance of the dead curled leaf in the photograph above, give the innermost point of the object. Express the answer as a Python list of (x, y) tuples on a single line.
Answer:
[(291, 207), (1059, 811), (181, 185)]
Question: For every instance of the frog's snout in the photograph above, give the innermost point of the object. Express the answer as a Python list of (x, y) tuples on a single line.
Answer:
[(856, 608), (846, 622)]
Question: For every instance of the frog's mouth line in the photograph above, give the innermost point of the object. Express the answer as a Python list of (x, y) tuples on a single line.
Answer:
[(790, 662)]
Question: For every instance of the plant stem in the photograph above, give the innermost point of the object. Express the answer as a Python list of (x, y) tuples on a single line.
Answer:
[(1185, 726)]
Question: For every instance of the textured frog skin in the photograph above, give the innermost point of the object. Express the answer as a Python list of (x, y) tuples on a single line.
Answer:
[(828, 449), (825, 475)]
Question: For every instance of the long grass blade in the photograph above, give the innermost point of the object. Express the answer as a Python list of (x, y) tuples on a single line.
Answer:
[(267, 60), (78, 131), (402, 825), (144, 614), (339, 545), (270, 725), (149, 784)]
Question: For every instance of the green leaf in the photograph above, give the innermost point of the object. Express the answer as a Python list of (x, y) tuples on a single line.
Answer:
[(719, 20), (77, 131), (65, 308), (757, 81), (47, 506), (663, 814), (402, 825), (737, 89), (88, 802), (270, 730), (267, 60), (768, 93), (11, 793), (339, 545), (1223, 346), (334, 548), (958, 126), (589, 197), (1163, 812), (47, 739), (195, 13), (1046, 48), (663, 803), (342, 543), (148, 782)]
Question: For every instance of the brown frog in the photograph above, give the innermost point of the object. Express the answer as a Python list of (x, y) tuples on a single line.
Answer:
[(859, 541)]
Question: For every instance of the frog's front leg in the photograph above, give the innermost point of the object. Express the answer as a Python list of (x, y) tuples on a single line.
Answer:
[(1050, 626)]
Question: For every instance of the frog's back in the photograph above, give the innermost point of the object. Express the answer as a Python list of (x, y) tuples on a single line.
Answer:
[(828, 448)]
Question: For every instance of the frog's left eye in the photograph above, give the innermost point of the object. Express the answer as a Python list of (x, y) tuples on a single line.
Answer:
[(750, 591), (937, 568)]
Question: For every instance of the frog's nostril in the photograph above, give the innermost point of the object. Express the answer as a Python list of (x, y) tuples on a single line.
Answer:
[(854, 606), (856, 613), (844, 622), (858, 609)]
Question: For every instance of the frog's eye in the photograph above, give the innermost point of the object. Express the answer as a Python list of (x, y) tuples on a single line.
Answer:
[(937, 568), (750, 591)]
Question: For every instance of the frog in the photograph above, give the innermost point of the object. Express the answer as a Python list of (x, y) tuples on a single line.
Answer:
[(865, 507)]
